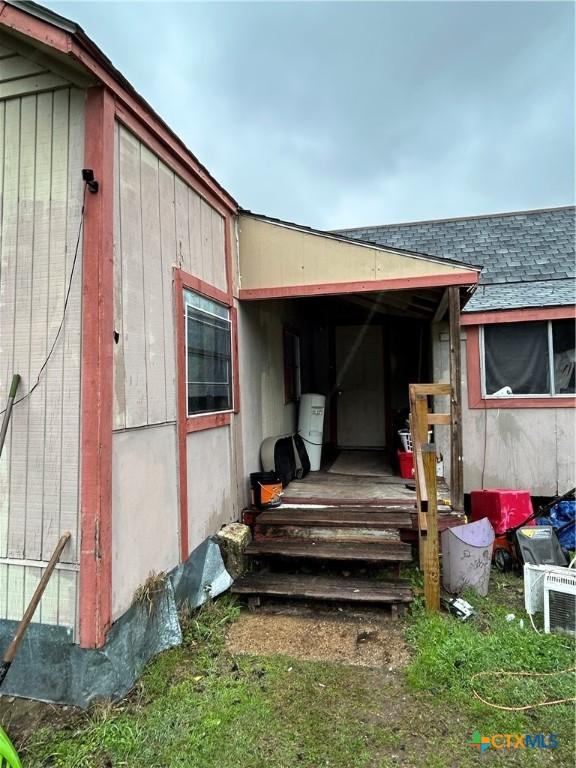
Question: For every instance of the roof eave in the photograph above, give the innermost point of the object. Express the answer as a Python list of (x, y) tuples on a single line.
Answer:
[(80, 48)]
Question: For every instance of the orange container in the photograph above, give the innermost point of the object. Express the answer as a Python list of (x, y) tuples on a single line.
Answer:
[(266, 490)]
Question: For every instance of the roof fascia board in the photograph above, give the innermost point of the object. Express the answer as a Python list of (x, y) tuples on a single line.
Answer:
[(76, 75), (33, 9), (362, 243), (464, 279), (80, 48)]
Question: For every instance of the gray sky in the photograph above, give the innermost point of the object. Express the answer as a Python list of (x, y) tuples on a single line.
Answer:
[(350, 114)]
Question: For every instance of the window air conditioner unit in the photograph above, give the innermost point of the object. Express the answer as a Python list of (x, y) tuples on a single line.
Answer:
[(560, 601), (534, 587)]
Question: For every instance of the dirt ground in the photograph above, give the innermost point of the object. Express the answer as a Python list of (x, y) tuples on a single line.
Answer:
[(359, 639), (23, 717)]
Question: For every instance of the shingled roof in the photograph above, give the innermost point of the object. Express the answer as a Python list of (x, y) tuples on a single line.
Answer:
[(528, 256)]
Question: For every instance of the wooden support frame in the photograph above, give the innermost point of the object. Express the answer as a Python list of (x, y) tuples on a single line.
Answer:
[(426, 483), (456, 463)]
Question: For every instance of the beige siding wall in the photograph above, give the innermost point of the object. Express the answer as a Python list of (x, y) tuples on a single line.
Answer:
[(159, 223), (264, 412), (523, 448), (145, 509), (212, 488), (273, 255), (42, 151)]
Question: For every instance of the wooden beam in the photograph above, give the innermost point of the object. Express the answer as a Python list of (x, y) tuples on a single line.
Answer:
[(456, 464), (442, 307), (431, 389), (431, 553), (384, 305), (439, 418)]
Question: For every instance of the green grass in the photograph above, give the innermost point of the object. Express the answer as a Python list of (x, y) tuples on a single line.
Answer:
[(448, 653), (197, 706)]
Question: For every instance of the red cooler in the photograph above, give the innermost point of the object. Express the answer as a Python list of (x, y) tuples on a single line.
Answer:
[(504, 509)]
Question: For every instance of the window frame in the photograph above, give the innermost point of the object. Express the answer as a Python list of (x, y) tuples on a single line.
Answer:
[(473, 323), (228, 320), (551, 368), (205, 420)]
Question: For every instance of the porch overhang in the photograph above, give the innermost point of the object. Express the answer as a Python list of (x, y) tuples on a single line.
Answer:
[(279, 260)]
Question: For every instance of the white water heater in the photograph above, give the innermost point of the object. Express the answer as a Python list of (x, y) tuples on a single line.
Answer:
[(311, 426)]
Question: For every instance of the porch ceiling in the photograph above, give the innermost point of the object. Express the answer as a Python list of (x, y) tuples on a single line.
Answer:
[(278, 259)]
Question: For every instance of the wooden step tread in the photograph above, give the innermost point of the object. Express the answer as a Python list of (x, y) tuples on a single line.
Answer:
[(335, 517), (392, 551), (322, 587)]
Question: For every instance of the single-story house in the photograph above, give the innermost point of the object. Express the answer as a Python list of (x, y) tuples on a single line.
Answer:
[(519, 336), (162, 333)]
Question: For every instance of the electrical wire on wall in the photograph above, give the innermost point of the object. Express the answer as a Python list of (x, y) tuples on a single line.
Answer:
[(66, 300)]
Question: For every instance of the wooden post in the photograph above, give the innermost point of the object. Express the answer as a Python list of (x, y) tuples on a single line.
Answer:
[(456, 467), (419, 430), (431, 551)]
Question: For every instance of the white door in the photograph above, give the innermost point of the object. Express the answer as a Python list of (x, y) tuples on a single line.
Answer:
[(360, 383)]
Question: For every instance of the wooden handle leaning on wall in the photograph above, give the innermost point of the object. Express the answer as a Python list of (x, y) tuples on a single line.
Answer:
[(32, 605)]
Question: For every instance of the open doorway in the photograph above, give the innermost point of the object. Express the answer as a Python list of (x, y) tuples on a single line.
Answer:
[(363, 355)]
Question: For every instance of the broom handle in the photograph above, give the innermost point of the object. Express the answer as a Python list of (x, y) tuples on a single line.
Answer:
[(8, 411), (36, 597)]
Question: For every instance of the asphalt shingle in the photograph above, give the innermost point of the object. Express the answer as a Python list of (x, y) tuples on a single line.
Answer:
[(533, 293), (528, 257)]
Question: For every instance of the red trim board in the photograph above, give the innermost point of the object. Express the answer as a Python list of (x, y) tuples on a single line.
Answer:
[(96, 376), (518, 315), (181, 409), (475, 399), (187, 424), (363, 286), (235, 361)]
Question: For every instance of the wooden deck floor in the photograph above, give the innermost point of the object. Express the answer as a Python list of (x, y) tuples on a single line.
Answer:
[(329, 487)]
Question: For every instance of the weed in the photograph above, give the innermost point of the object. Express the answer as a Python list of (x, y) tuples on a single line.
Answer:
[(151, 591)]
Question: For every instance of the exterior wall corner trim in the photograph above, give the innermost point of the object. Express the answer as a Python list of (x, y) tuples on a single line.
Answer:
[(95, 602)]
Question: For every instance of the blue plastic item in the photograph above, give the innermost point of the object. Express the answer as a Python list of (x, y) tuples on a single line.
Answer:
[(563, 515)]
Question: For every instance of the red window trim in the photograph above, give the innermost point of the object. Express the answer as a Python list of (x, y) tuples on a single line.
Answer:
[(183, 280), (188, 424), (518, 315), (475, 398)]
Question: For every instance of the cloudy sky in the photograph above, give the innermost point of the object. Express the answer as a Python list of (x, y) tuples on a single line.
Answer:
[(338, 114)]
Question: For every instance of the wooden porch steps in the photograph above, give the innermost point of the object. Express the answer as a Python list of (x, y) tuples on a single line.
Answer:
[(336, 517), (322, 537), (329, 588), (321, 549)]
